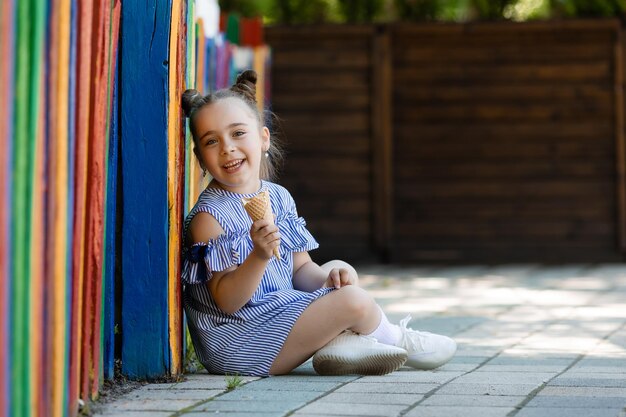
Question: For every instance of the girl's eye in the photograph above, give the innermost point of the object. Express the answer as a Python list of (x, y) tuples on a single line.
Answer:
[(210, 142), (239, 133)]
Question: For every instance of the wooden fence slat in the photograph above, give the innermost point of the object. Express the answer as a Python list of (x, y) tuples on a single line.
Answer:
[(111, 249), (58, 200), (382, 142), (175, 182), (7, 27), (144, 52), (620, 145), (79, 344)]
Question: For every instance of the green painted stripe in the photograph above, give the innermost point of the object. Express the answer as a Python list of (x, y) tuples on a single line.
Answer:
[(21, 216)]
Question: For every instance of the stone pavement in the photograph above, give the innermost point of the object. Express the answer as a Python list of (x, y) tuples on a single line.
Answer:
[(533, 341)]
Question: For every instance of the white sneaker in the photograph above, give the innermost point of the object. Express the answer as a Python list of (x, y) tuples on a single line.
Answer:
[(351, 353), (426, 350)]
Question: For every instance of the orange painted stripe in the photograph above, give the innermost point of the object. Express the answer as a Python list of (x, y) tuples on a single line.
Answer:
[(83, 92)]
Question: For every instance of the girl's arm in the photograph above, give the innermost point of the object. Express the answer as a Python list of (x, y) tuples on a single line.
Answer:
[(309, 276), (232, 288)]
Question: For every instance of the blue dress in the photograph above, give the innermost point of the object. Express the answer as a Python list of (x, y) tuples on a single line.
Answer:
[(247, 341)]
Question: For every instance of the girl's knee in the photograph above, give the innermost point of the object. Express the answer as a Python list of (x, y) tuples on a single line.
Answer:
[(356, 302)]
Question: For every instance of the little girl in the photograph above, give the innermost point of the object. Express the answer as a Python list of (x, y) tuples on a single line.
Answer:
[(250, 312)]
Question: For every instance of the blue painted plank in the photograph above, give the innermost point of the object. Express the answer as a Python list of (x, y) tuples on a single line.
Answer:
[(108, 326), (143, 123)]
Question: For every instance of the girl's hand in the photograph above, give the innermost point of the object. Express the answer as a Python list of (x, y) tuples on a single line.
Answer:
[(265, 237), (339, 277)]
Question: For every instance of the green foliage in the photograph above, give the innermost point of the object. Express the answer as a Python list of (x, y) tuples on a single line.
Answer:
[(301, 11), (233, 381), (296, 12), (245, 8), (360, 11), (418, 10), (491, 9), (191, 363), (587, 8)]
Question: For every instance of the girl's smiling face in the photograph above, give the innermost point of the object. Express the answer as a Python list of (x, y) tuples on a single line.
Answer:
[(230, 144)]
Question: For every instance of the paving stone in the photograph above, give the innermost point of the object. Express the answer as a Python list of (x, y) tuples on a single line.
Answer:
[(505, 359), (434, 411), (171, 394), (615, 363), (136, 414), (464, 367), (467, 359), (591, 370), (147, 405), (548, 369), (300, 414), (505, 378), (577, 402), (583, 391), (457, 388), (212, 383), (250, 406), (568, 412), (263, 395), (347, 409), (371, 398), (233, 414), (274, 384), (473, 400), (589, 382), (416, 376), (395, 388), (313, 378)]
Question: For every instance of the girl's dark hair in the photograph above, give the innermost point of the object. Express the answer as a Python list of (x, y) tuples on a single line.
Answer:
[(245, 90)]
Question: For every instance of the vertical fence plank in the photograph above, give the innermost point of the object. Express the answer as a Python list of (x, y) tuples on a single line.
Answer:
[(95, 204), (620, 145), (143, 62), (382, 152), (70, 394), (175, 186), (6, 120), (108, 343), (83, 93), (55, 328)]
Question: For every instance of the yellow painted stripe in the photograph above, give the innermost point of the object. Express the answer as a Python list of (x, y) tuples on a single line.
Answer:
[(174, 137), (259, 56), (60, 190)]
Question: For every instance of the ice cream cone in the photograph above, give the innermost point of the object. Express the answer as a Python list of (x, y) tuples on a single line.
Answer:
[(259, 207)]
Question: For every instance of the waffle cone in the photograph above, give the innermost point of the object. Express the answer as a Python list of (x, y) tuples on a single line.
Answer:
[(259, 207)]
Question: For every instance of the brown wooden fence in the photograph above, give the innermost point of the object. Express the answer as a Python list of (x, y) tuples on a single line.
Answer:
[(492, 142)]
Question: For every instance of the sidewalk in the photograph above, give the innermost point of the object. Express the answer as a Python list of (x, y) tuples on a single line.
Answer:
[(533, 341)]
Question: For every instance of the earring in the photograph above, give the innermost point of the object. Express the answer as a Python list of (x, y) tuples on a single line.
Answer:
[(203, 172), (267, 155)]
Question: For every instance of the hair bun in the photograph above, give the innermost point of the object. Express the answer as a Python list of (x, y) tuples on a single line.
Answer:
[(191, 100), (246, 85)]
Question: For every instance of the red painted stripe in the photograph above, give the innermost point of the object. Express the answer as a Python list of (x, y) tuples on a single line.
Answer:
[(6, 51)]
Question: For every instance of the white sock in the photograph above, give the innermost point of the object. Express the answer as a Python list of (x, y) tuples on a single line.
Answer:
[(386, 333)]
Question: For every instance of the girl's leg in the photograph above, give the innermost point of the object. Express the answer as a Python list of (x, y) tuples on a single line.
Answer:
[(349, 307)]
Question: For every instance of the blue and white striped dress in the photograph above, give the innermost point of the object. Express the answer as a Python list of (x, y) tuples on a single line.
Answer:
[(248, 341)]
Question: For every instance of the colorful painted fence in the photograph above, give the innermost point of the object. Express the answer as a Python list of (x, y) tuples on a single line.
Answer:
[(95, 180)]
